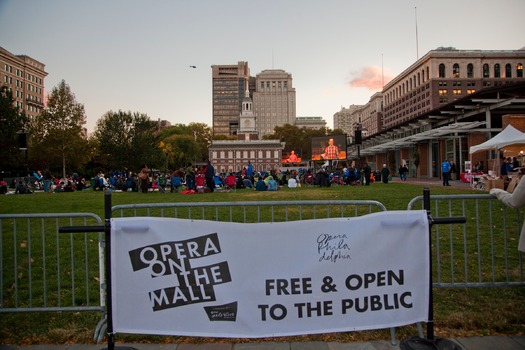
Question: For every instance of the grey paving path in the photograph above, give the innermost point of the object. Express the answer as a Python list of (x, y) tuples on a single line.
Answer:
[(471, 343)]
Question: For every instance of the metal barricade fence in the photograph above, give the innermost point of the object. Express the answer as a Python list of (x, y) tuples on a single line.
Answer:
[(42, 270), (249, 212), (483, 251)]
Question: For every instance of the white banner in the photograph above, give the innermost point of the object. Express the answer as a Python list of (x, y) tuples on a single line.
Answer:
[(216, 279)]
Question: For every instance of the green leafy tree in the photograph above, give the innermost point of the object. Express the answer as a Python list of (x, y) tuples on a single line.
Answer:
[(180, 149), (197, 139), (12, 122), (58, 134), (203, 135), (126, 141)]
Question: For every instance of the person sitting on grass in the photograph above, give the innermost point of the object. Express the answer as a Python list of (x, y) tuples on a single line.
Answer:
[(292, 182), (246, 182), (272, 184), (260, 185)]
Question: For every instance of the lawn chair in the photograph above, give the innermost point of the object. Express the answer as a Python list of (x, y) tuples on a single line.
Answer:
[(200, 183), (176, 183), (230, 182), (218, 182), (309, 179)]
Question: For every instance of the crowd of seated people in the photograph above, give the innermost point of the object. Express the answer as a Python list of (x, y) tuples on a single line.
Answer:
[(184, 181)]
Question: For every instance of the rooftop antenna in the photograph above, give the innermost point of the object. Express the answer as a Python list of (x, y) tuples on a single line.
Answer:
[(272, 60), (417, 40)]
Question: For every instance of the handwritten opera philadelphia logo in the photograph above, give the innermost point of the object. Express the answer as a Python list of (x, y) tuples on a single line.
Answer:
[(194, 284)]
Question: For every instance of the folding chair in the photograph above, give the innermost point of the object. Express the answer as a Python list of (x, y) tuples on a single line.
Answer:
[(230, 182), (200, 183), (309, 179), (176, 182), (218, 182)]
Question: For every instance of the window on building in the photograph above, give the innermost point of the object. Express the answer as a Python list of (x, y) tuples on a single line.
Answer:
[(471, 91), (456, 92), (441, 70), (486, 71), (455, 70), (497, 71), (508, 71), (470, 70), (519, 70), (442, 91)]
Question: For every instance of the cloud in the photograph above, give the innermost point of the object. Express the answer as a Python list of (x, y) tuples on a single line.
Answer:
[(372, 78)]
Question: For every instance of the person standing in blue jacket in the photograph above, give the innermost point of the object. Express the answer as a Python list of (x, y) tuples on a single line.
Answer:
[(445, 171)]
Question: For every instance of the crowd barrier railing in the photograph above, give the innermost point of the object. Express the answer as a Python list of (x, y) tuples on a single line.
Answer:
[(43, 270), (481, 252)]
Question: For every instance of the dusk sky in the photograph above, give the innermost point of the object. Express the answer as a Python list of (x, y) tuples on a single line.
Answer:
[(135, 55)]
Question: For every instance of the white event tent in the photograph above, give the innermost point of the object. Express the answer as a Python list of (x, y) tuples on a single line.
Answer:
[(508, 137)]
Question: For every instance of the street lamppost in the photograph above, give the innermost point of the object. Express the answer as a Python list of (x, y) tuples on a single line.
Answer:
[(358, 141), (167, 162), (22, 145)]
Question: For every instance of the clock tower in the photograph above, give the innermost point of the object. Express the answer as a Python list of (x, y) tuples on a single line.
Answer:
[(247, 127)]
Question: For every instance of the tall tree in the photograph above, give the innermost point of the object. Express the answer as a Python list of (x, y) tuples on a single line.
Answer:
[(202, 134), (198, 133), (58, 131), (12, 123), (127, 141)]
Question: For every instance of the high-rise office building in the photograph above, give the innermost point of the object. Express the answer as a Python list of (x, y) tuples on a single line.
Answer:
[(311, 122), (24, 77), (228, 89), (344, 119), (273, 100)]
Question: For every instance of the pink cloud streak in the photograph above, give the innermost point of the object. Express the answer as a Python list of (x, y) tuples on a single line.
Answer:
[(372, 78)]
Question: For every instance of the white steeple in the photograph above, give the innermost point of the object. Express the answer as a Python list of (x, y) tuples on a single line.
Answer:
[(247, 118)]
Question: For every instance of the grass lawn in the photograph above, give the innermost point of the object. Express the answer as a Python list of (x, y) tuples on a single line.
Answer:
[(458, 311)]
